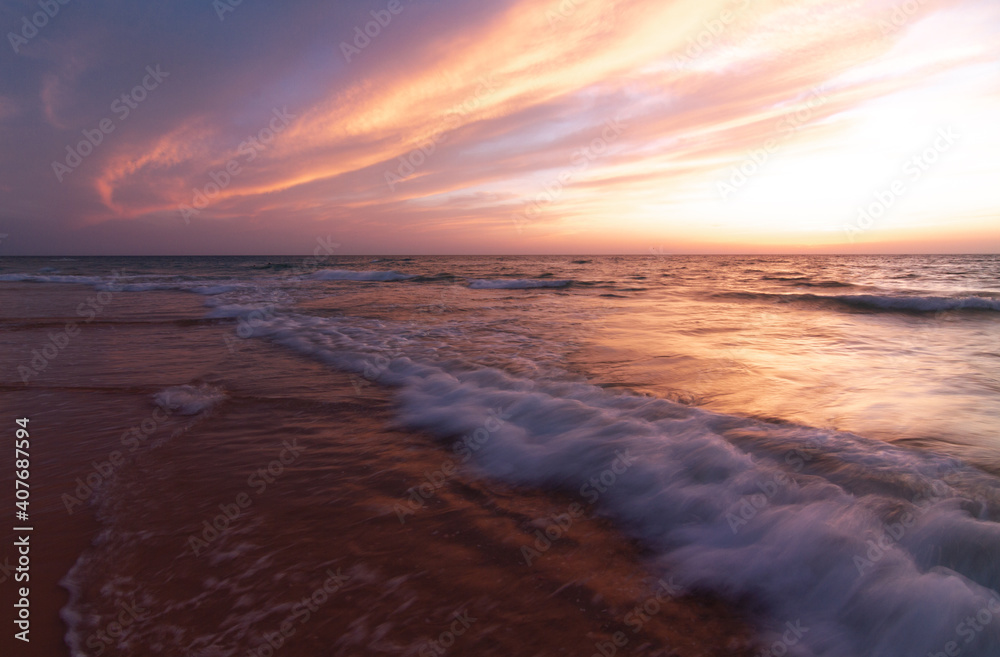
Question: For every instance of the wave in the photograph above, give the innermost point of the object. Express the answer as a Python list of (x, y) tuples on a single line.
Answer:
[(806, 281), (922, 304), (873, 549), (515, 283), (351, 275), (828, 284), (274, 266), (115, 284), (197, 288), (36, 278), (913, 304)]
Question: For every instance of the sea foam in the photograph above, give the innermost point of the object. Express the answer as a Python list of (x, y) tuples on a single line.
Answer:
[(859, 542)]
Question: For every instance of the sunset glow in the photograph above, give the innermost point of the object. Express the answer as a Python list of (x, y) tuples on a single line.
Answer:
[(571, 126)]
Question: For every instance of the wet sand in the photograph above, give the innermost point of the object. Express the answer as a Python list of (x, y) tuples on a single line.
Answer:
[(453, 573)]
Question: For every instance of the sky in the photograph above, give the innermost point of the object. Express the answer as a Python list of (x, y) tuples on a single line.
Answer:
[(503, 127)]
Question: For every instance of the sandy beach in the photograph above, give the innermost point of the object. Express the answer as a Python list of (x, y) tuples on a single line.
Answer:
[(340, 499)]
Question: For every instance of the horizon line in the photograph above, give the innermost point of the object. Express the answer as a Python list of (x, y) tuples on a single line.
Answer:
[(483, 255)]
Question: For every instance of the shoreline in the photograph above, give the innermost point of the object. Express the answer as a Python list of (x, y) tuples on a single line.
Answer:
[(402, 586)]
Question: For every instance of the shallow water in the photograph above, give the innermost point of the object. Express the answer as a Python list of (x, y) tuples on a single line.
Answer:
[(813, 438)]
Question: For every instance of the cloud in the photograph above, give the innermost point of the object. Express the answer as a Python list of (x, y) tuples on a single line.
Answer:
[(449, 118)]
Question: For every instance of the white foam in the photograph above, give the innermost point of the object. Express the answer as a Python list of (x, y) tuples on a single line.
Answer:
[(695, 473), (116, 283), (187, 399), (921, 304), (350, 275), (138, 287), (36, 278), (515, 283)]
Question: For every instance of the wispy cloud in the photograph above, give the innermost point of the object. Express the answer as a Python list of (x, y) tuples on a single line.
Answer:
[(707, 86)]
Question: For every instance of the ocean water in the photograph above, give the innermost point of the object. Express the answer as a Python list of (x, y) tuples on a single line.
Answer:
[(814, 439)]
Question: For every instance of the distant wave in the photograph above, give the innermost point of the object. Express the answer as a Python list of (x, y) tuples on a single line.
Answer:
[(806, 281), (828, 284), (515, 284), (350, 275), (36, 278), (922, 304), (113, 284), (876, 302)]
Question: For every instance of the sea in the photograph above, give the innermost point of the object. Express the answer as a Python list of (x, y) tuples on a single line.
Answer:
[(518, 455)]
